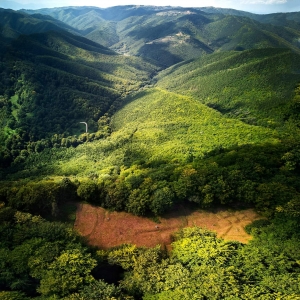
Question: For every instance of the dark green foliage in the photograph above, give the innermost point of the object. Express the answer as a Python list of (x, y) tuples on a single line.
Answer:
[(47, 259), (15, 23), (46, 92), (23, 239), (256, 226), (43, 197), (88, 191), (5, 295)]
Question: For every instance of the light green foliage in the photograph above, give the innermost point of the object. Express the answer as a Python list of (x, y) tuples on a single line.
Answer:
[(123, 256), (220, 129), (67, 273), (198, 247), (201, 266), (98, 290), (163, 147), (169, 126), (166, 148)]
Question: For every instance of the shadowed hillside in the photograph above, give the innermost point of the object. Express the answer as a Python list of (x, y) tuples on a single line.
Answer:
[(53, 81), (168, 35), (15, 23)]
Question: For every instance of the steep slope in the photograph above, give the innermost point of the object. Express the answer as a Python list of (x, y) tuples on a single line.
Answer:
[(156, 125), (253, 85), (170, 126), (53, 81), (15, 23), (168, 35)]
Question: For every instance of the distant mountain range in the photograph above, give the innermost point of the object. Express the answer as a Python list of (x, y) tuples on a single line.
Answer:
[(168, 35)]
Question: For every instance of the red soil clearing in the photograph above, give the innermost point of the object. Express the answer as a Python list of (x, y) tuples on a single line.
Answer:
[(107, 229)]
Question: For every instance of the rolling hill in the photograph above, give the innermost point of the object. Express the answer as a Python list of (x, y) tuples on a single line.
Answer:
[(221, 99), (253, 85)]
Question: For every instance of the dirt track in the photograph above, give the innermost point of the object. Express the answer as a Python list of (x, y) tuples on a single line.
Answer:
[(107, 229)]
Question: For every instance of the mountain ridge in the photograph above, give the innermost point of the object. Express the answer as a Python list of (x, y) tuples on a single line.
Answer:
[(142, 30)]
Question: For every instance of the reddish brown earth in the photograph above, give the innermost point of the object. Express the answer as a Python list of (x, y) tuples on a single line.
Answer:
[(107, 229)]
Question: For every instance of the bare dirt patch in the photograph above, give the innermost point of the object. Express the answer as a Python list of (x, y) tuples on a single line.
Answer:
[(106, 229)]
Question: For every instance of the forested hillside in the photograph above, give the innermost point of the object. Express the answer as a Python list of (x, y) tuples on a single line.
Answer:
[(15, 23), (169, 35), (54, 80), (194, 108), (254, 86)]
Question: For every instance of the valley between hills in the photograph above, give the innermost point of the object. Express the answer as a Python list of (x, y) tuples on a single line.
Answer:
[(186, 174)]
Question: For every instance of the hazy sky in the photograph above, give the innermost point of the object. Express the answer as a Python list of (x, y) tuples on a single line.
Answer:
[(257, 6)]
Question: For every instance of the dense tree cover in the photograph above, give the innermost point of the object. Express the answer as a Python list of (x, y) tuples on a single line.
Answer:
[(47, 260), (265, 176), (158, 157), (254, 86), (42, 258), (52, 82), (201, 266)]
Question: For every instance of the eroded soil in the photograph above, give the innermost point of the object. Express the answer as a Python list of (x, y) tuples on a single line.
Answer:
[(107, 229)]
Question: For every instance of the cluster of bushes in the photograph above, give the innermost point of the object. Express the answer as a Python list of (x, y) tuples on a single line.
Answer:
[(265, 176), (203, 266)]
